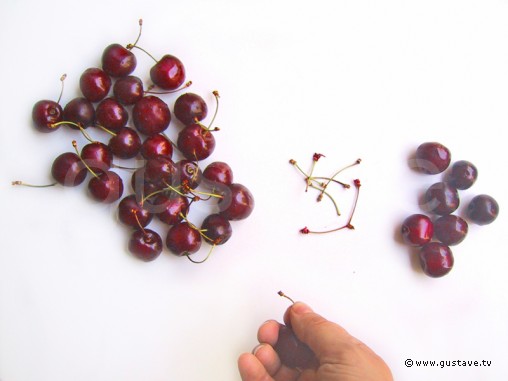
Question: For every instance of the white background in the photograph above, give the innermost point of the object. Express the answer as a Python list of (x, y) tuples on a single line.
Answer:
[(349, 79)]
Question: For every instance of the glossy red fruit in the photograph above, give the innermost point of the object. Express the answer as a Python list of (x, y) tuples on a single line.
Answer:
[(188, 174), (169, 209), (68, 169), (151, 115), (97, 156), (463, 175), (125, 144), (168, 73), (94, 84), (80, 111), (238, 202), (142, 187), (117, 61), (432, 158), (107, 187), (217, 229), (155, 146), (145, 244), (417, 230), (160, 170), (45, 114), (436, 259), (195, 142), (111, 114), (189, 108), (450, 229), (131, 213), (128, 90), (183, 239), (483, 209), (292, 352), (441, 198), (218, 172)]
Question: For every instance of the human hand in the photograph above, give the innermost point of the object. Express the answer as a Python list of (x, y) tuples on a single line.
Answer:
[(341, 357)]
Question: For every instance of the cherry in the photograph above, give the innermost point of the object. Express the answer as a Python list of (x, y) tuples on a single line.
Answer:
[(168, 73), (151, 115), (145, 244), (482, 209), (450, 229), (68, 169), (125, 144), (131, 213), (156, 145), (128, 90), (436, 259), (160, 170), (94, 84), (97, 156), (169, 209), (432, 158), (188, 173), (216, 229), (183, 239), (45, 114), (237, 203), (196, 142), (111, 114), (106, 187), (118, 61), (218, 172), (441, 198), (80, 111), (189, 108), (141, 186), (292, 352), (463, 175), (417, 230)]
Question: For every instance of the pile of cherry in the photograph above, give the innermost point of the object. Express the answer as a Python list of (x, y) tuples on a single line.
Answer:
[(162, 186), (441, 200)]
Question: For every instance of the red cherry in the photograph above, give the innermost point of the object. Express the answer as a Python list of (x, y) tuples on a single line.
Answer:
[(128, 90), (292, 352), (183, 239), (151, 115), (80, 111), (417, 230), (156, 145), (216, 229), (97, 156), (111, 114), (189, 108), (169, 209), (131, 213), (107, 187), (238, 202), (145, 244), (118, 61), (436, 259), (168, 73), (218, 172), (68, 169), (196, 142), (94, 84), (432, 158), (45, 114), (125, 144)]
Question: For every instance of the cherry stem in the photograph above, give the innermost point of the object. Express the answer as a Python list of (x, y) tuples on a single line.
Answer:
[(105, 130), (78, 125), (75, 145), (130, 46), (203, 260), (127, 168), (137, 220), (149, 90), (285, 296), (217, 96), (17, 182), (62, 79), (358, 161), (144, 51), (323, 192), (200, 231)]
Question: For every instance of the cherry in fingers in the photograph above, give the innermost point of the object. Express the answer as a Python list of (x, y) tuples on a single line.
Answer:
[(151, 115), (145, 244), (118, 61), (292, 352), (168, 73), (238, 202), (183, 239), (196, 142)]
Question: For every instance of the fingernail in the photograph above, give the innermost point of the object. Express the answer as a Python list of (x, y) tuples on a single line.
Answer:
[(300, 308), (257, 348)]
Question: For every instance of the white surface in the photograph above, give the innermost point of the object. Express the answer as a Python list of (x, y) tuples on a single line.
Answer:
[(369, 79)]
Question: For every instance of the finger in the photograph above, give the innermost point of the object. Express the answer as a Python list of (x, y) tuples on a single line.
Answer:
[(268, 357), (251, 369), (268, 333)]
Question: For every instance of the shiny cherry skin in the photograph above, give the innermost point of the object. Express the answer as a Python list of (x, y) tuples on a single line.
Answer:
[(292, 352), (142, 187), (463, 174), (151, 115), (155, 146), (217, 229), (483, 209), (168, 73), (450, 229), (188, 174), (441, 198), (189, 108), (238, 202), (195, 142), (432, 158), (129, 208), (218, 172), (111, 114), (68, 169), (169, 209), (160, 170), (417, 230), (118, 61), (98, 156), (81, 111), (94, 84), (436, 259), (125, 144), (145, 244), (45, 114), (107, 187), (183, 239), (128, 90)]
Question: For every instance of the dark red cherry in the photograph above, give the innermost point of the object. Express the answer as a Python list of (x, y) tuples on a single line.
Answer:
[(218, 172), (125, 144), (107, 187), (441, 198), (80, 111), (417, 230), (94, 84), (195, 142), (183, 239), (128, 90), (68, 169), (168, 73), (111, 114), (292, 352), (131, 213), (482, 209), (160, 170), (118, 61), (97, 156), (169, 209), (463, 174), (142, 187), (187, 173), (45, 114), (151, 115), (436, 259), (237, 203), (145, 244), (155, 146), (432, 158), (189, 108), (450, 229), (216, 229)]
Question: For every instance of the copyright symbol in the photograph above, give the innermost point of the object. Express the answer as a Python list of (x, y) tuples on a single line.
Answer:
[(409, 363)]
